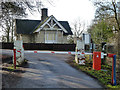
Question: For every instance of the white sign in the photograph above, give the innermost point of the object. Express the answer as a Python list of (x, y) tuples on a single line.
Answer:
[(86, 38), (80, 44)]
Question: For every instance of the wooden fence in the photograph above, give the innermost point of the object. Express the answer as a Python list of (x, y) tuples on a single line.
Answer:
[(42, 46)]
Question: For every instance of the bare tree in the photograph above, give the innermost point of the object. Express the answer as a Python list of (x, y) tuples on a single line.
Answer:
[(78, 28), (11, 10)]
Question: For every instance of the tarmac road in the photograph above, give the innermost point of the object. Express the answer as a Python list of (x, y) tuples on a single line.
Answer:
[(51, 71)]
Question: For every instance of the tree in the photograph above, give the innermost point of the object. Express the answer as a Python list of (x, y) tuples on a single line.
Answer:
[(70, 39), (101, 32), (110, 11), (12, 10), (78, 29)]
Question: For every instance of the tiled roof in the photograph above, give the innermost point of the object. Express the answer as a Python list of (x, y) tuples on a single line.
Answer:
[(25, 26)]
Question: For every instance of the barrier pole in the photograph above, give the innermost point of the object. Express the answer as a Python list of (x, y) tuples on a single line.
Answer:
[(14, 50), (114, 71)]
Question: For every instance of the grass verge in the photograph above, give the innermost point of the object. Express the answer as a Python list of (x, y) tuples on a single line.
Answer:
[(103, 75)]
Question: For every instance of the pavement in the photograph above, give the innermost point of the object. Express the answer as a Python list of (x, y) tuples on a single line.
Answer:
[(51, 71)]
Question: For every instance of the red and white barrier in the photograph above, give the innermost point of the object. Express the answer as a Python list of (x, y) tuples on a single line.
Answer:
[(57, 52)]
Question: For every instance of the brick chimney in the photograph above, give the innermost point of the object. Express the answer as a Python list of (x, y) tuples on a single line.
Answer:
[(44, 12)]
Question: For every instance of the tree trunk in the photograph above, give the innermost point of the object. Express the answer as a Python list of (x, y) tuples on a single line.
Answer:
[(119, 44), (8, 39), (12, 32)]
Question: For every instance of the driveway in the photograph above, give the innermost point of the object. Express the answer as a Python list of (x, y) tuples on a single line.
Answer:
[(51, 71)]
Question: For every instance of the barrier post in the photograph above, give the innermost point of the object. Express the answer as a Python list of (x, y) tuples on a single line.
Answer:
[(14, 50), (18, 45), (79, 47), (113, 80), (114, 71), (81, 57)]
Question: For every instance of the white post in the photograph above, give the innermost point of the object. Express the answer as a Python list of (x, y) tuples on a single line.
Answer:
[(18, 45), (79, 47)]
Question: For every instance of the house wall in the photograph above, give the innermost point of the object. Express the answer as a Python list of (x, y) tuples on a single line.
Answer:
[(59, 36), (65, 39), (40, 37), (27, 38)]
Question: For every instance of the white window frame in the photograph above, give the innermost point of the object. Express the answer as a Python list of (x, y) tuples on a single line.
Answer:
[(51, 41)]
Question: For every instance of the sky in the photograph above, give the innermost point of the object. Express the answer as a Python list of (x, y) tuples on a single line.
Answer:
[(69, 10)]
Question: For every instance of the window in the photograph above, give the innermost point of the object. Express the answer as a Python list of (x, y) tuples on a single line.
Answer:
[(50, 37)]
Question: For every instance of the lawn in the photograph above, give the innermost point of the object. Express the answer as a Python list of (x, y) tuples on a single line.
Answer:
[(103, 75)]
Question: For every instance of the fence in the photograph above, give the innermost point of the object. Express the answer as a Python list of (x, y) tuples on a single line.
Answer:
[(42, 46)]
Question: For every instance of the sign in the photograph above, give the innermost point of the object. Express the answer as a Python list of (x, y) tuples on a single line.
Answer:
[(86, 38), (80, 44)]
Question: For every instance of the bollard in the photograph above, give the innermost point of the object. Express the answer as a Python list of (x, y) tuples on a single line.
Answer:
[(97, 60), (14, 50)]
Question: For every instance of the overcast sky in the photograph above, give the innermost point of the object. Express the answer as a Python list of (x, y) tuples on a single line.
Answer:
[(70, 10)]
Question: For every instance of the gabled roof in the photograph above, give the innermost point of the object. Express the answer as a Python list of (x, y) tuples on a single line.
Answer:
[(66, 25), (25, 26), (45, 22)]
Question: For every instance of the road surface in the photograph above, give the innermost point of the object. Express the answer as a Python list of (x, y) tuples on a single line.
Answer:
[(51, 71)]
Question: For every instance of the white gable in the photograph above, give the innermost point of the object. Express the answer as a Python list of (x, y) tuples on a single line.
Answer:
[(51, 22)]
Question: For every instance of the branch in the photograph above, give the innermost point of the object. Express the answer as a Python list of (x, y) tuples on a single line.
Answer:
[(115, 13)]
